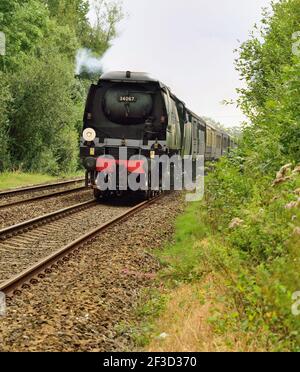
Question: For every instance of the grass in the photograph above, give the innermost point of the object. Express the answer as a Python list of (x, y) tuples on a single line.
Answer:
[(187, 313), (18, 179), (188, 324), (181, 256), (180, 309)]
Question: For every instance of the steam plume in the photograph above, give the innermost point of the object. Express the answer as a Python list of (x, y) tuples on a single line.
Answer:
[(87, 62)]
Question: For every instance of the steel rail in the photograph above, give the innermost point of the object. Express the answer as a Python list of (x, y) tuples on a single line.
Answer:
[(38, 187), (42, 197), (41, 269), (25, 226)]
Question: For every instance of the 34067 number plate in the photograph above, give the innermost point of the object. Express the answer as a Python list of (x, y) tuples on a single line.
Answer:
[(127, 99)]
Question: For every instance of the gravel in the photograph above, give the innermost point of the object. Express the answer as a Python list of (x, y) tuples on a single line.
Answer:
[(14, 215), (36, 244), (28, 194), (82, 306)]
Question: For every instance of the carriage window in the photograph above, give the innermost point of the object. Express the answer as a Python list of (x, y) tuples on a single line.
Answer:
[(214, 139), (201, 142), (209, 137)]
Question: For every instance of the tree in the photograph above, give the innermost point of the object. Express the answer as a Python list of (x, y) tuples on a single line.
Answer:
[(71, 13), (107, 15), (5, 100), (271, 95), (24, 24), (41, 101), (74, 14), (42, 130)]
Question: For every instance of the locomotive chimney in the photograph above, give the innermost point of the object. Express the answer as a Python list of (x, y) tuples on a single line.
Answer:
[(128, 74)]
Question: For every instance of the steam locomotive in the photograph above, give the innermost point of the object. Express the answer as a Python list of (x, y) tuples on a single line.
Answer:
[(132, 111)]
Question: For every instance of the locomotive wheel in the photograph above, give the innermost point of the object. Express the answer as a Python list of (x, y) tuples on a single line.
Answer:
[(97, 194), (100, 195), (147, 195), (147, 192)]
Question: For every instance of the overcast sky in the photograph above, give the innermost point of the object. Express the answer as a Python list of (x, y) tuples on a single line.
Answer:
[(188, 44)]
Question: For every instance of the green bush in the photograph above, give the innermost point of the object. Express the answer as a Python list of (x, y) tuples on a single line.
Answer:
[(259, 254), (42, 131), (259, 257), (5, 101)]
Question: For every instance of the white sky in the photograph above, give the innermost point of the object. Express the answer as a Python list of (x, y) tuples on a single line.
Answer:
[(188, 44)]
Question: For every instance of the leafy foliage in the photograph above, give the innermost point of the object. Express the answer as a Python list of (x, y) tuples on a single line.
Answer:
[(5, 98), (41, 103), (271, 95), (47, 139), (257, 257)]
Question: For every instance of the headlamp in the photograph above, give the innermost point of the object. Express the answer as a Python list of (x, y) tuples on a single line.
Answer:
[(89, 134)]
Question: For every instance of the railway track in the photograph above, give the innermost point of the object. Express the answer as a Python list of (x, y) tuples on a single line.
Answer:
[(15, 197), (32, 275), (48, 186), (29, 241), (42, 197), (30, 225)]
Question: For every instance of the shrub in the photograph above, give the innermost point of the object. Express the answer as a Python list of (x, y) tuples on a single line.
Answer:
[(42, 130), (5, 101)]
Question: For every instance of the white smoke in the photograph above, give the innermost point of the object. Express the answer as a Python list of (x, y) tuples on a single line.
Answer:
[(87, 62)]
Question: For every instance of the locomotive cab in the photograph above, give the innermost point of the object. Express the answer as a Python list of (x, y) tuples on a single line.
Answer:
[(132, 111)]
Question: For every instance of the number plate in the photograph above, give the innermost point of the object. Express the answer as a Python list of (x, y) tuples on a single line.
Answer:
[(127, 99)]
